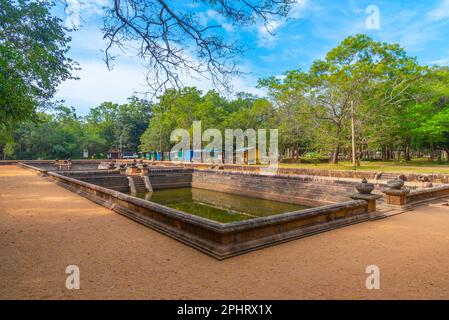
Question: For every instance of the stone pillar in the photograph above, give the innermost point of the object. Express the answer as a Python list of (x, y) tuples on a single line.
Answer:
[(369, 198), (364, 193), (397, 197)]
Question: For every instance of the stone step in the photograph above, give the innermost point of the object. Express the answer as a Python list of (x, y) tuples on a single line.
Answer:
[(138, 184), (389, 175)]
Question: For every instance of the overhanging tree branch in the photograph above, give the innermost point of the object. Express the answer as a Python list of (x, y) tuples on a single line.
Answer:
[(176, 44)]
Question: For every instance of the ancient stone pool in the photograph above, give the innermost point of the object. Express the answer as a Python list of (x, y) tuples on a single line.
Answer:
[(218, 206), (223, 213)]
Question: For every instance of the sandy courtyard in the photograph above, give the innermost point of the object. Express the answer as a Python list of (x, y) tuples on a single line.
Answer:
[(44, 228)]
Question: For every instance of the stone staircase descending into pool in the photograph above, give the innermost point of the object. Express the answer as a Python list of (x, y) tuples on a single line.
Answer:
[(387, 176), (137, 184)]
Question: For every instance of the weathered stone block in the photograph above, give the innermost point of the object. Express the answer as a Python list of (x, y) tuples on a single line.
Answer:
[(396, 197)]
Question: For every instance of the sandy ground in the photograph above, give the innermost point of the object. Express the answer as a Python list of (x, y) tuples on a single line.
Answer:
[(44, 228)]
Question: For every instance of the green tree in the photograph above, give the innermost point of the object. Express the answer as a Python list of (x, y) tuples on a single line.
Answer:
[(58, 135), (357, 80), (180, 108), (112, 125), (33, 59)]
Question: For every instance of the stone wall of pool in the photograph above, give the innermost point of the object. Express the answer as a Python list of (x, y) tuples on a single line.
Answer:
[(298, 189), (221, 240), (304, 190), (112, 179)]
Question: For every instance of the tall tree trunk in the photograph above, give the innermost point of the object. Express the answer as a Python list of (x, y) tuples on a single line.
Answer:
[(398, 159), (354, 157), (407, 152), (384, 153), (335, 155), (431, 151), (390, 154)]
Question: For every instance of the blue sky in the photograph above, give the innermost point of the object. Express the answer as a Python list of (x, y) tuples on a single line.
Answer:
[(315, 27)]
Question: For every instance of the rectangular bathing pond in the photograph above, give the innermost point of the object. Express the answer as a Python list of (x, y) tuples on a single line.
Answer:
[(223, 214), (218, 206)]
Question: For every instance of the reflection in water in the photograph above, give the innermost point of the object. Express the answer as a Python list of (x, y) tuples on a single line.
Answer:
[(218, 206)]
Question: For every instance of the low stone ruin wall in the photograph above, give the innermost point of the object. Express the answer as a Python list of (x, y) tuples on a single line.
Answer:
[(7, 162), (77, 165), (427, 194)]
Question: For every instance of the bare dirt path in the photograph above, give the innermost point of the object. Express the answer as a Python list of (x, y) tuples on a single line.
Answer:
[(44, 228)]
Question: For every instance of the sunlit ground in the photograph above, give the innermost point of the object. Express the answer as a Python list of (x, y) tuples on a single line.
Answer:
[(44, 228)]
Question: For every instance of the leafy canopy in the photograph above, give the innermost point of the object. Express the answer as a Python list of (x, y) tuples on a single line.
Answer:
[(33, 59)]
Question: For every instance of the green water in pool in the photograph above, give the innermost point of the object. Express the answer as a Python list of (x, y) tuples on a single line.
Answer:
[(218, 206)]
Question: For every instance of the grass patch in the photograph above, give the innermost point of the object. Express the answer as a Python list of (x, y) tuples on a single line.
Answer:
[(416, 165)]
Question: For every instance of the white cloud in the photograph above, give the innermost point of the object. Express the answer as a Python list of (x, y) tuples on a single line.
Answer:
[(298, 8), (280, 76), (193, 5), (88, 41), (414, 32), (267, 33), (441, 12), (246, 84), (228, 27), (73, 14), (97, 84), (267, 36), (443, 61), (80, 11), (411, 28), (93, 7), (439, 62), (202, 18), (212, 15)]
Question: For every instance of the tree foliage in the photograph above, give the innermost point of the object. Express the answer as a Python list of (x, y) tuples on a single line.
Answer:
[(180, 108), (33, 59), (63, 134), (376, 83)]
